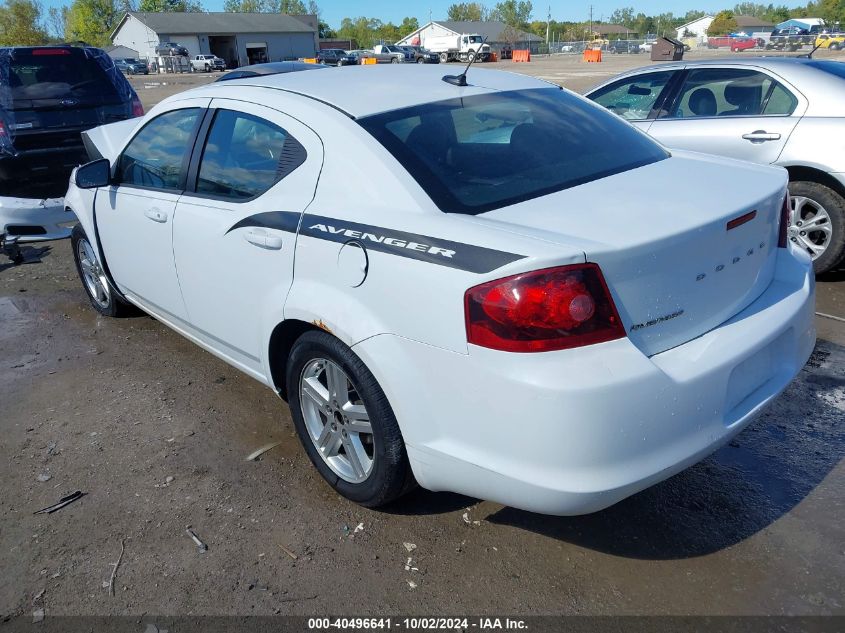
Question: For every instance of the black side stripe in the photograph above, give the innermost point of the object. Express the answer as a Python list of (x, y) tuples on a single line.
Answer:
[(423, 248)]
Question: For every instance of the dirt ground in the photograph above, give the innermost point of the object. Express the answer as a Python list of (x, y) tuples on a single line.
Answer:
[(155, 432)]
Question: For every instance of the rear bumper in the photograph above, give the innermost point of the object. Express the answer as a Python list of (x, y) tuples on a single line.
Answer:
[(35, 220), (576, 431)]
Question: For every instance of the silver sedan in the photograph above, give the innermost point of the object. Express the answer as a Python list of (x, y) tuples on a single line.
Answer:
[(778, 110)]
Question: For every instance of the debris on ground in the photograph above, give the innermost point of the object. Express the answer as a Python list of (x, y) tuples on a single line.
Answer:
[(468, 521), (115, 565), (202, 547), (37, 615), (254, 455), (37, 596), (61, 503), (358, 528), (288, 552), (410, 546), (409, 565), (44, 477), (411, 584)]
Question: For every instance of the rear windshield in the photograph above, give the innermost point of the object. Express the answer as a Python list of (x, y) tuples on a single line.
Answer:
[(479, 153), (63, 75), (834, 68)]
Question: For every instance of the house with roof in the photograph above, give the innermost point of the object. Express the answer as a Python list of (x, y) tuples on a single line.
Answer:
[(497, 34), (238, 38)]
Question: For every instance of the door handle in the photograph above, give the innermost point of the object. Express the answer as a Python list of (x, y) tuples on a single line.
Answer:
[(760, 136), (262, 239), (156, 215)]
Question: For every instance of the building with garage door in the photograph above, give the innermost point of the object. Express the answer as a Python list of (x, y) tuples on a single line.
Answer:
[(238, 38)]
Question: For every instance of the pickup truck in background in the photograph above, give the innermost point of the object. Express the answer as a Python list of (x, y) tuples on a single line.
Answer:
[(397, 54), (789, 39), (207, 63), (736, 43)]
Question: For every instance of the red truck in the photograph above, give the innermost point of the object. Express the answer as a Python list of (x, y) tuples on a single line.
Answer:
[(736, 44)]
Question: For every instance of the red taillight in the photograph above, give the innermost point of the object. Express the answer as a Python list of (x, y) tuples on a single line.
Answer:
[(137, 107), (784, 221), (51, 51), (542, 311), (3, 133)]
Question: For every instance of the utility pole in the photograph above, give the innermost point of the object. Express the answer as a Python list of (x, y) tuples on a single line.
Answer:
[(591, 23), (548, 24)]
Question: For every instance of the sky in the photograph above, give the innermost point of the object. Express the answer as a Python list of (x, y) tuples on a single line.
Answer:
[(392, 11)]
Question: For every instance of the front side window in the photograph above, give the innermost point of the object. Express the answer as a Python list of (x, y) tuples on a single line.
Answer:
[(479, 153), (633, 98), (245, 155), (717, 92), (155, 157)]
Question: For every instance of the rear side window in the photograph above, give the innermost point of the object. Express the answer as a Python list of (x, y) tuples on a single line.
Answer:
[(245, 155), (59, 74), (155, 157), (480, 153), (717, 92)]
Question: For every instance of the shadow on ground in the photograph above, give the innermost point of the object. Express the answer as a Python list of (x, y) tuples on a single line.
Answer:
[(31, 255)]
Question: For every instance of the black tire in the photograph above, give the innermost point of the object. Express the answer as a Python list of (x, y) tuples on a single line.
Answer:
[(395, 60), (420, 60), (114, 306), (391, 475), (834, 204)]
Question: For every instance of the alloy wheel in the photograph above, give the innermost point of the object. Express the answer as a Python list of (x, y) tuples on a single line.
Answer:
[(93, 275), (337, 420), (809, 226)]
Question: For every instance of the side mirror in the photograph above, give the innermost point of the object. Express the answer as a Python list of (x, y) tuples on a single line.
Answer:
[(97, 173)]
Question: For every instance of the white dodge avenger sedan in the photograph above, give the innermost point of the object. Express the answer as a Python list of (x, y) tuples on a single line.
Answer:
[(498, 289)]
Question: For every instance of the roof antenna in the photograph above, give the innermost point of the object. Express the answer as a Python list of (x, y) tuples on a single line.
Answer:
[(810, 54), (461, 80)]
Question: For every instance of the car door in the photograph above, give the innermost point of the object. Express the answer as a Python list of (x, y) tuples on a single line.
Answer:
[(235, 229), (134, 214), (637, 98), (740, 112)]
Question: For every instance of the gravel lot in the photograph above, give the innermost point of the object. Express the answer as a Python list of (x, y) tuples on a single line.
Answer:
[(154, 431)]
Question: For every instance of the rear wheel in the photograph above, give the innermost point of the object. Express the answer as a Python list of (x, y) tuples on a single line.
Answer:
[(444, 58), (339, 63), (345, 422), (395, 60), (420, 60), (817, 223), (94, 279)]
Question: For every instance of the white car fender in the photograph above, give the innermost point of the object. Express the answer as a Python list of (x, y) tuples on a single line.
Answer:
[(81, 202)]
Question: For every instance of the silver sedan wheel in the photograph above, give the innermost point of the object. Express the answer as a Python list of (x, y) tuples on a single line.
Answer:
[(337, 420), (809, 226), (93, 276)]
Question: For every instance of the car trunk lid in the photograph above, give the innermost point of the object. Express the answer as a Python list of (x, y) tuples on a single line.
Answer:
[(684, 244)]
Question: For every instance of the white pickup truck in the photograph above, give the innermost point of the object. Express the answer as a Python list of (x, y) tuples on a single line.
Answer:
[(207, 63), (458, 47)]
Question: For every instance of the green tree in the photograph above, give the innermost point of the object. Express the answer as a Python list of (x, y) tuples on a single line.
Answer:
[(513, 13), (170, 6), (623, 16), (408, 26), (723, 24), (249, 6), (92, 21), (361, 29), (292, 7), (467, 11), (831, 11), (20, 23)]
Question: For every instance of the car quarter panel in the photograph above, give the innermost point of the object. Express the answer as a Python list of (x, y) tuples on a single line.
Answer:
[(817, 142), (598, 423)]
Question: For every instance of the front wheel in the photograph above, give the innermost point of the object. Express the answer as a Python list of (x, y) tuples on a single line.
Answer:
[(94, 280), (345, 422), (421, 60), (817, 223), (444, 58)]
